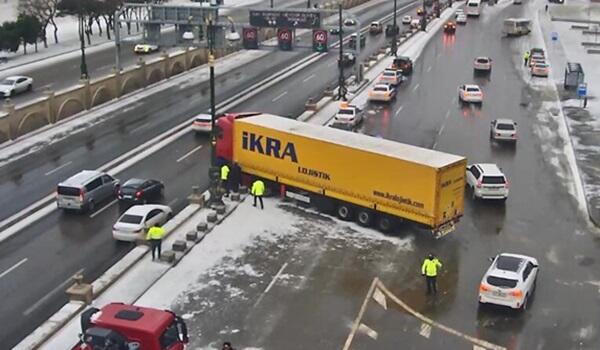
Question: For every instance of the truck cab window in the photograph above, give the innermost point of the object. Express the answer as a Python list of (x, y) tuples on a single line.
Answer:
[(169, 337)]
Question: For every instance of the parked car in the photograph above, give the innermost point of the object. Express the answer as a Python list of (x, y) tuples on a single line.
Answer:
[(134, 222), (145, 48), (140, 190), (16, 84), (540, 69), (450, 27), (202, 123), (349, 114), (503, 130), (406, 19), (352, 42), (375, 28), (391, 76), (487, 181), (482, 64), (382, 93), (509, 281), (85, 189), (470, 93), (404, 63)]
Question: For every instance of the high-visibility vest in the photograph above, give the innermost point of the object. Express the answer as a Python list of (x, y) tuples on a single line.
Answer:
[(155, 232), (430, 267), (258, 188), (224, 172)]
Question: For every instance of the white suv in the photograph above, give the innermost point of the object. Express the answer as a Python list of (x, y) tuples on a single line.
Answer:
[(510, 281), (482, 64), (503, 130), (348, 114), (470, 93), (487, 181)]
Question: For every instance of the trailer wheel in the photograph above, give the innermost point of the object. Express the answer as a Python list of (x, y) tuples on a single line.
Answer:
[(384, 223), (365, 217), (344, 212)]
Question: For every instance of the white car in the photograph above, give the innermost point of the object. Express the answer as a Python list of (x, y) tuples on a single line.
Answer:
[(415, 23), (132, 225), (536, 58), (16, 84), (470, 93), (348, 114), (487, 181), (540, 69), (406, 19), (382, 92), (503, 130), (482, 64), (509, 281), (202, 123), (391, 76), (145, 48), (461, 19)]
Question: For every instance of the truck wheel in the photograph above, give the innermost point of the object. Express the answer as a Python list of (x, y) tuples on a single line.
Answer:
[(384, 223), (344, 212), (364, 217)]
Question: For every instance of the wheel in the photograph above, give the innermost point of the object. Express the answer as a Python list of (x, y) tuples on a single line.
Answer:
[(90, 206), (364, 217), (344, 212), (384, 223), (473, 196), (11, 93), (525, 303), (29, 87)]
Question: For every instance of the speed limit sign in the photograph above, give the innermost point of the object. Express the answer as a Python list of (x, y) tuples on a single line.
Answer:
[(250, 35), (319, 40), (284, 38)]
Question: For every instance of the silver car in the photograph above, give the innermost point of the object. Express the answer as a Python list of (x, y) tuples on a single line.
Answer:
[(13, 85), (85, 190), (503, 130)]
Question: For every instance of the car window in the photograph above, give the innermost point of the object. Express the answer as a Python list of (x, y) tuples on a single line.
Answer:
[(380, 88), (20, 80), (346, 111), (501, 282), (131, 219), (67, 191), (475, 172), (527, 271), (107, 179), (8, 82), (509, 263), (153, 213), (93, 185), (482, 60), (493, 180), (473, 89), (169, 337), (505, 126)]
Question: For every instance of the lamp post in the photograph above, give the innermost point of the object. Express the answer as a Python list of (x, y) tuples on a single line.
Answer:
[(394, 43), (213, 172), (424, 18), (341, 81), (83, 65)]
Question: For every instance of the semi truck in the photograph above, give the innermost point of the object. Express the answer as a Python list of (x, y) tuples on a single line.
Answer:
[(355, 176), (118, 326)]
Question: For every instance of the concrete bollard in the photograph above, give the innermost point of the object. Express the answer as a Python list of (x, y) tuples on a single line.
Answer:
[(310, 105), (196, 197), (191, 236), (220, 209), (168, 256), (328, 91), (80, 291), (211, 217), (179, 246), (235, 197), (201, 227)]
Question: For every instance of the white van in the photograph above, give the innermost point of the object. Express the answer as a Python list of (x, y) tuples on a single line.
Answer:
[(473, 7), (516, 26)]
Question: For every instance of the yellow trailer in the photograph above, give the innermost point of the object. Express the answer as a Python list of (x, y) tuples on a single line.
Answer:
[(359, 176)]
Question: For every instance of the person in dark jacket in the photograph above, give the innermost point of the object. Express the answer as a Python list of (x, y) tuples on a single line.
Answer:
[(227, 346), (235, 178)]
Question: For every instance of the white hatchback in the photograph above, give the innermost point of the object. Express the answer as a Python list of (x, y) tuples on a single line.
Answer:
[(406, 19), (503, 130), (470, 93), (482, 64), (202, 123), (509, 281), (487, 181), (132, 225)]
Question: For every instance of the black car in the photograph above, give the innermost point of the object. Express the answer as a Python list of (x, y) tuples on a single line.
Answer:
[(405, 64), (335, 31), (139, 190), (389, 30), (348, 59)]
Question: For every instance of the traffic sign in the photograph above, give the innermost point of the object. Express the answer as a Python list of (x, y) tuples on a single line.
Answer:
[(554, 36), (582, 90), (320, 40), (250, 38), (284, 39), (308, 19)]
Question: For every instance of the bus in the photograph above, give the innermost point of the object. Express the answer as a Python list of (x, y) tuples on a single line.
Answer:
[(473, 7)]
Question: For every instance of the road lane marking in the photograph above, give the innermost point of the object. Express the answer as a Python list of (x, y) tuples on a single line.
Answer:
[(271, 284), (429, 68), (139, 128), (58, 168), (399, 110), (308, 78), (171, 203), (279, 96), (434, 145), (13, 267), (189, 153), (97, 212), (416, 87), (52, 292), (441, 129), (447, 114), (425, 330)]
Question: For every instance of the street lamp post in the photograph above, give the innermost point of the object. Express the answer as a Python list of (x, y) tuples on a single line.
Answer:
[(83, 66), (215, 195), (341, 81), (424, 18), (394, 43)]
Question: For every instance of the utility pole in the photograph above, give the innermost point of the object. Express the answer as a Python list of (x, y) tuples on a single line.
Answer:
[(424, 18), (117, 41), (394, 42), (215, 195), (83, 66), (341, 81), (271, 3)]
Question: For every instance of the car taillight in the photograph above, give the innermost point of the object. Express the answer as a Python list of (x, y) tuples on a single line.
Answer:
[(484, 287), (139, 193), (81, 195), (478, 184), (516, 293), (506, 184)]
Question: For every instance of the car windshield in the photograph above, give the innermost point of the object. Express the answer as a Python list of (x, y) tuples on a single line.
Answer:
[(509, 263), (131, 219), (7, 82), (346, 111), (482, 60), (505, 126), (501, 282), (380, 88), (203, 118), (541, 65), (389, 74), (493, 180)]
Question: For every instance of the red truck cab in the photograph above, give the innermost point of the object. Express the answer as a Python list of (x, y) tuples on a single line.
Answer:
[(224, 146), (118, 326)]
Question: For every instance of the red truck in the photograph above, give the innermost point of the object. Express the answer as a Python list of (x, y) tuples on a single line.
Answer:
[(119, 326)]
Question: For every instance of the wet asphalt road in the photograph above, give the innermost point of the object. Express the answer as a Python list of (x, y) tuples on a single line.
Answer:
[(68, 243), (325, 268)]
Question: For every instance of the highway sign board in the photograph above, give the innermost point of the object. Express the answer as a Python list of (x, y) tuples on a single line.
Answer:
[(308, 19)]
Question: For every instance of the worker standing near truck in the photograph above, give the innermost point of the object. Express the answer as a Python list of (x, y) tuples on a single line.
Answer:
[(155, 235), (225, 179), (429, 269), (258, 190)]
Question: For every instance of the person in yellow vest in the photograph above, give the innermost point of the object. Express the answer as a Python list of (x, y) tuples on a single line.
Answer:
[(430, 270), (526, 56), (154, 236), (225, 179), (258, 190)]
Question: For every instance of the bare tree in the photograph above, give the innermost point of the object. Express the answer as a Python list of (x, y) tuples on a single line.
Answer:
[(44, 11)]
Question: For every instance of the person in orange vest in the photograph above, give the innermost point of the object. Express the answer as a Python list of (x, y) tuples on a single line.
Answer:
[(429, 269)]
